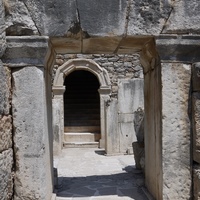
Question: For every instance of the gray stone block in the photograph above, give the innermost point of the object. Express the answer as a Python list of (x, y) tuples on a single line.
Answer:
[(196, 125), (6, 175), (176, 139), (5, 86), (184, 17), (103, 17), (148, 17), (5, 133), (196, 77), (196, 182), (31, 141)]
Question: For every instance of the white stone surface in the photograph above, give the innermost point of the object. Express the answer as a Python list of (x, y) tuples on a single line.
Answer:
[(31, 145), (130, 98), (176, 131)]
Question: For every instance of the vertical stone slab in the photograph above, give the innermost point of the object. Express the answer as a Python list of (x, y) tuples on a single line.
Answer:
[(130, 99), (112, 135), (31, 144), (176, 131), (153, 132), (196, 182), (58, 125)]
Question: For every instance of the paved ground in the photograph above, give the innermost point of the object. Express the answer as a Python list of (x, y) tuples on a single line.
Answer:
[(87, 174)]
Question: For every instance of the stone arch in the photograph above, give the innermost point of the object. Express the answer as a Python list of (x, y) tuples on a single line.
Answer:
[(59, 88)]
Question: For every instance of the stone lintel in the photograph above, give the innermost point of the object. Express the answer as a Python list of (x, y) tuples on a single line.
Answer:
[(179, 48), (24, 51)]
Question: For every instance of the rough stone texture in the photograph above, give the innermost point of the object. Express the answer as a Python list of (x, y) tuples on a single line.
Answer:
[(6, 175), (130, 98), (148, 16), (31, 144), (18, 19), (153, 131), (196, 182), (184, 17), (5, 85), (176, 131), (118, 66), (5, 133), (103, 17), (196, 77), (196, 125), (2, 30)]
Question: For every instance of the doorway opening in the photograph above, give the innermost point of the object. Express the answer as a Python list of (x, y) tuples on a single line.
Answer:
[(81, 110)]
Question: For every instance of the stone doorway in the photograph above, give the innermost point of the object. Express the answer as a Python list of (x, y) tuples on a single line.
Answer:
[(81, 110)]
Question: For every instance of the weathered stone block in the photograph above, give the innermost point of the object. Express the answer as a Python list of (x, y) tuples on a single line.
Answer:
[(196, 182), (148, 17), (18, 19), (6, 176), (5, 86), (31, 140), (196, 77), (176, 131), (5, 133), (196, 125), (103, 17), (184, 17), (2, 30)]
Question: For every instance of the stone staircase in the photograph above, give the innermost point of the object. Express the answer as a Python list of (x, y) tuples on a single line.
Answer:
[(81, 110)]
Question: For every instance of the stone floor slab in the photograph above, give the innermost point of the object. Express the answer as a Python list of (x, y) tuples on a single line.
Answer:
[(88, 174)]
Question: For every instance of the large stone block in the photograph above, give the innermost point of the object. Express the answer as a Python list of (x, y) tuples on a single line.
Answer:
[(31, 141), (103, 17), (176, 139), (196, 125), (196, 77), (130, 98), (184, 17), (5, 133), (18, 19), (2, 30), (5, 86), (6, 175), (196, 182), (148, 17)]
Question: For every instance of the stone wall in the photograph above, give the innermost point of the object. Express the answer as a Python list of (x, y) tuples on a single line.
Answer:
[(126, 76), (6, 150), (118, 66)]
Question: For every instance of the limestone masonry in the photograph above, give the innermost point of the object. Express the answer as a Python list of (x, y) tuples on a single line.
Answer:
[(121, 75)]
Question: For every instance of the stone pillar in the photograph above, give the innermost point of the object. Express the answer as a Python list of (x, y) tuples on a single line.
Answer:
[(58, 119), (6, 150), (176, 137), (104, 97), (196, 129), (33, 176)]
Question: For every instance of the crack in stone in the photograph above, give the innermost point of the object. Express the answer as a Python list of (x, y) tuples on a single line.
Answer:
[(32, 18), (165, 24), (127, 16)]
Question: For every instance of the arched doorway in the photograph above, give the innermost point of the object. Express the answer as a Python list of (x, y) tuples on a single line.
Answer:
[(81, 109), (100, 79)]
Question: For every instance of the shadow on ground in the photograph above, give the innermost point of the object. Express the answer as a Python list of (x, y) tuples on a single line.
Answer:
[(125, 184)]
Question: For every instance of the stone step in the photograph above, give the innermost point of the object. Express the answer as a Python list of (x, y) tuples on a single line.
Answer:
[(81, 137), (82, 129), (81, 144), (82, 122)]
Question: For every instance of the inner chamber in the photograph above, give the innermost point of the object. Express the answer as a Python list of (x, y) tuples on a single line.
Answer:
[(81, 108)]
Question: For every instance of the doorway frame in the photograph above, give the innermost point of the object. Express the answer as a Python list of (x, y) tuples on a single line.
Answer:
[(59, 89)]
